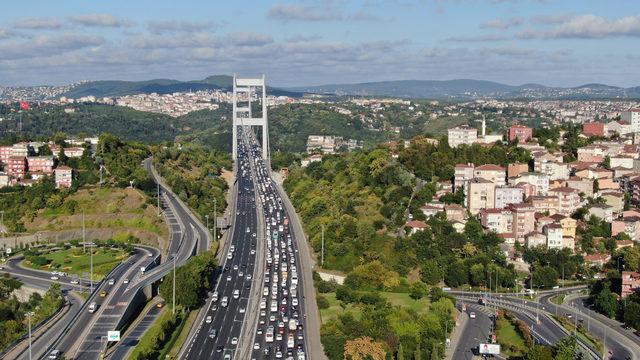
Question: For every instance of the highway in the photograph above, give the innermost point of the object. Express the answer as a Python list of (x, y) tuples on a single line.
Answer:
[(129, 341), (237, 274)]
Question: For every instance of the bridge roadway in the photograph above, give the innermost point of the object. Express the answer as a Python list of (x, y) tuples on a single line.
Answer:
[(228, 321)]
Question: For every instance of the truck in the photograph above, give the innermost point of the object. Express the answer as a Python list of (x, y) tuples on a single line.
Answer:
[(92, 307)]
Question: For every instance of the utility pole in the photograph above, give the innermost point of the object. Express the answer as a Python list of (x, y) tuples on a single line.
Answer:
[(215, 217), (322, 254), (91, 266), (158, 199), (84, 238), (2, 220), (29, 315), (173, 311)]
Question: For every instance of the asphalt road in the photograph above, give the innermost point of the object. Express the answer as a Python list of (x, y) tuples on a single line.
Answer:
[(128, 342), (475, 332), (228, 321)]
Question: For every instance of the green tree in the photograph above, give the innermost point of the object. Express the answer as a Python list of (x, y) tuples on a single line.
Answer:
[(539, 352), (418, 290), (632, 315), (566, 348), (606, 302), (544, 277)]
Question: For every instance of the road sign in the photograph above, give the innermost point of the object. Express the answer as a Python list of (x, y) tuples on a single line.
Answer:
[(113, 335), (493, 349)]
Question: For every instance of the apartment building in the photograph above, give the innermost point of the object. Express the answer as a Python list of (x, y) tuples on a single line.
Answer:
[(494, 173), (554, 236), (524, 220), (632, 117), (42, 164), (520, 132), (63, 176), (515, 169), (497, 220), (481, 195), (568, 200), (602, 211), (539, 180), (462, 135), (506, 195), (630, 283), (629, 225), (555, 170), (462, 173), (16, 166)]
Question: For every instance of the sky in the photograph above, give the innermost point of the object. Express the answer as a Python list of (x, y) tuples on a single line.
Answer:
[(313, 42)]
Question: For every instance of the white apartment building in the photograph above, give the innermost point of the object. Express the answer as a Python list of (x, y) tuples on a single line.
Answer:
[(633, 118), (494, 173), (555, 170), (554, 236), (462, 135), (462, 174), (506, 195), (539, 180)]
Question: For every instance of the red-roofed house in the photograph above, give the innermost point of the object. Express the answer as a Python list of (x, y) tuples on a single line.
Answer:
[(630, 283), (520, 132), (415, 226), (593, 129), (494, 173)]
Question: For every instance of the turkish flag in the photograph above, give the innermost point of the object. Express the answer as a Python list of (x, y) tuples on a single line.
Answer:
[(24, 105)]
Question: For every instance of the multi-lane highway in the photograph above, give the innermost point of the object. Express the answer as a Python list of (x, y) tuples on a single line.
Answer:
[(218, 334)]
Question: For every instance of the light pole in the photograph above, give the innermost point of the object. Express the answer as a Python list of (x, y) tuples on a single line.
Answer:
[(91, 266), (2, 220), (215, 221), (84, 238), (322, 241), (207, 217), (29, 315), (174, 285), (158, 196)]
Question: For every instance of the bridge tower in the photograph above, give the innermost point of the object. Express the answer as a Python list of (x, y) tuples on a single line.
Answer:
[(243, 90)]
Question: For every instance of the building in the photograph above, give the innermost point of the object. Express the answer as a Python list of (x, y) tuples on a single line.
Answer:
[(569, 225), (524, 220), (520, 132), (629, 225), (632, 117), (630, 283), (16, 166), (326, 144), (308, 160), (554, 236), (602, 211), (556, 170), (481, 195), (535, 239), (615, 199), (539, 180), (462, 173), (494, 173), (74, 152), (497, 220), (456, 212), (416, 225), (462, 135), (429, 210), (5, 153), (43, 164), (515, 169), (582, 185), (64, 176), (568, 200), (598, 260), (592, 153), (593, 129), (506, 195)]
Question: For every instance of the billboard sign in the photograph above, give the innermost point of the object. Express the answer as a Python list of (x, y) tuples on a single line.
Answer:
[(113, 335), (493, 349)]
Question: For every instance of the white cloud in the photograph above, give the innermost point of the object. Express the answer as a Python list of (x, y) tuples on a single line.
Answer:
[(159, 27), (38, 23), (502, 23), (45, 46), (100, 20), (249, 39), (302, 12), (479, 38), (588, 27)]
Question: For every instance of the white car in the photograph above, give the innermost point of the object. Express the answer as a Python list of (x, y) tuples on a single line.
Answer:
[(249, 277), (242, 310), (256, 346), (235, 267), (253, 252), (236, 294), (234, 341), (54, 277), (208, 319), (126, 281)]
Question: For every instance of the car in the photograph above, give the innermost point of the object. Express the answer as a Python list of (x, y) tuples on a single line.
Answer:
[(103, 293), (228, 277), (248, 277), (236, 294), (54, 277), (235, 267), (278, 354), (234, 341), (272, 318), (54, 354), (126, 281), (259, 331), (74, 281), (241, 274), (242, 310), (252, 252), (213, 333), (160, 304), (472, 315), (112, 281), (214, 307), (256, 346), (219, 348), (208, 319), (229, 256)]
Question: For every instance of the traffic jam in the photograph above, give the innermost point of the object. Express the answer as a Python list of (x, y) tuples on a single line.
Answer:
[(279, 333)]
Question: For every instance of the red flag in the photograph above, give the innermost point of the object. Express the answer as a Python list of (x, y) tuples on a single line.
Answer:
[(24, 105)]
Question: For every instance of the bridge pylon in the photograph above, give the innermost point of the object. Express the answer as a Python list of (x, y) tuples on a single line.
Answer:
[(243, 92)]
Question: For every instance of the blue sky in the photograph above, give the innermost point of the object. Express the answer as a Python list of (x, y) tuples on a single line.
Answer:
[(551, 42)]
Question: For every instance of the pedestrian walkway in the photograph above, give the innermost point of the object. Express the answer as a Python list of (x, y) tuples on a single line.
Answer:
[(461, 322)]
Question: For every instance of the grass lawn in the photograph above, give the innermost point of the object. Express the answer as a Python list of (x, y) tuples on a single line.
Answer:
[(335, 309), (175, 349), (558, 299), (396, 299), (74, 261), (512, 343)]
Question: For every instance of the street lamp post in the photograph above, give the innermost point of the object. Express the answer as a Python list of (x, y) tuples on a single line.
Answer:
[(91, 266), (174, 285), (215, 217), (29, 315)]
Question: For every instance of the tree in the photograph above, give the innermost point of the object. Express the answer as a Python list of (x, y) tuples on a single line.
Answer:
[(364, 348), (540, 352), (632, 315), (431, 272), (545, 276), (606, 302), (566, 348), (400, 355), (418, 290)]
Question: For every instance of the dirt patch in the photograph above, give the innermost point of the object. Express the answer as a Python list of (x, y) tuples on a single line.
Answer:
[(227, 175)]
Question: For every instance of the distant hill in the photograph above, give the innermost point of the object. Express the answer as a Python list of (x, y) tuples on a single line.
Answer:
[(467, 89), (113, 88)]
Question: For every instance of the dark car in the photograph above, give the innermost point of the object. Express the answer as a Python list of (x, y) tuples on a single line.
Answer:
[(219, 348)]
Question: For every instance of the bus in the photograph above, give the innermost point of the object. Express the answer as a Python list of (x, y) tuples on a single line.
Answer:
[(268, 336)]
